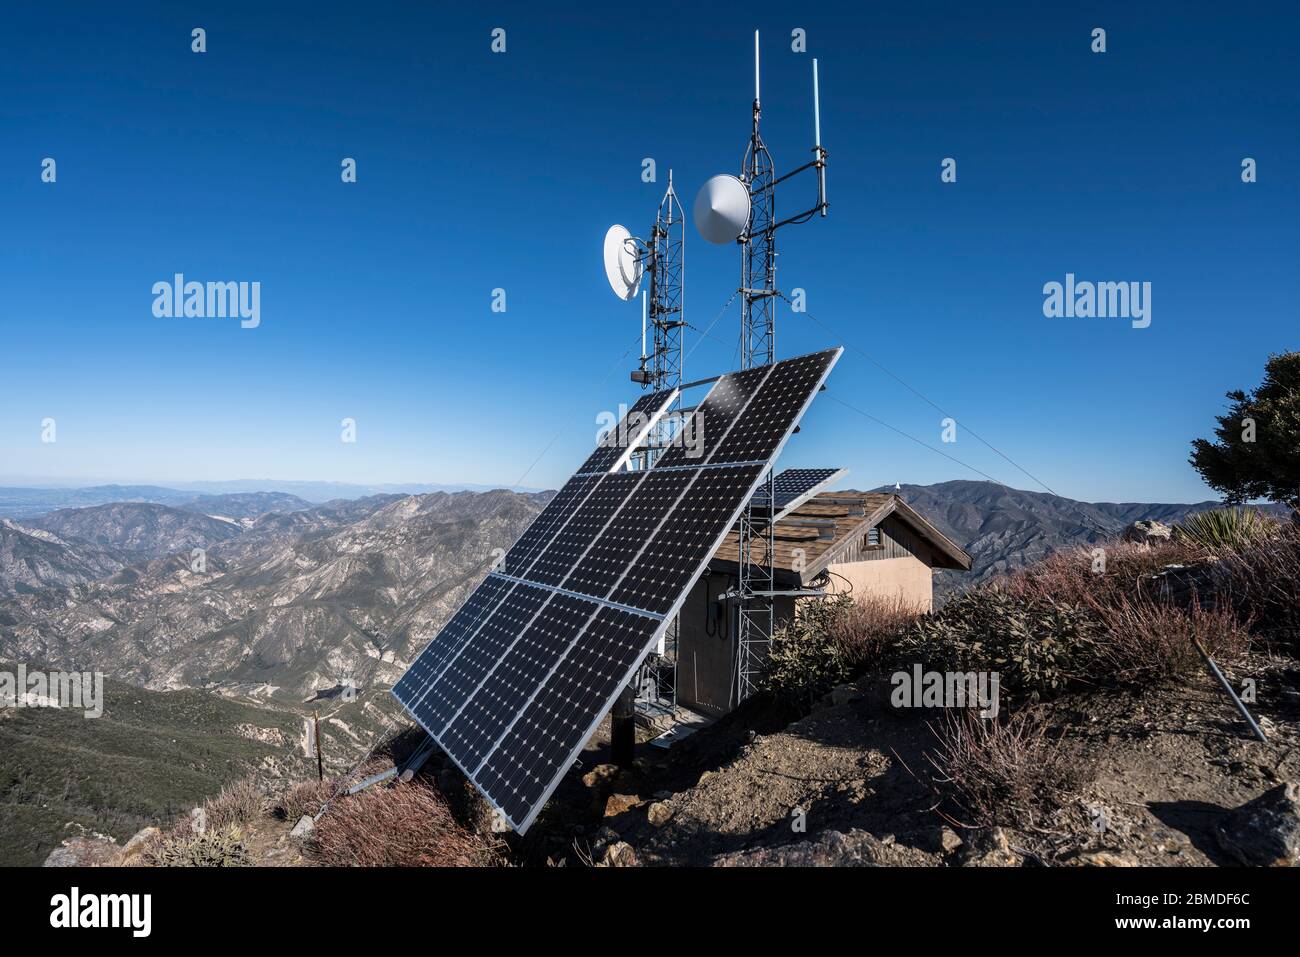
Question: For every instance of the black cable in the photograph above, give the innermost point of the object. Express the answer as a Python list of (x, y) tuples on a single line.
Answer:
[(925, 398)]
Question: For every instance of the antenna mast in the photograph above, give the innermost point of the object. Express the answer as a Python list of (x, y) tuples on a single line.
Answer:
[(756, 529), (758, 247), (758, 242), (667, 266)]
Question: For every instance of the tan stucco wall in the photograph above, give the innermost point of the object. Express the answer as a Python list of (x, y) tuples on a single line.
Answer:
[(908, 578)]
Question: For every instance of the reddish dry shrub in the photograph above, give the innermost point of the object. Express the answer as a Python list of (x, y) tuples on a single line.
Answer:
[(828, 643), (1008, 771), (407, 825), (1150, 640), (305, 797), (1069, 577), (1265, 579), (237, 804), (865, 629)]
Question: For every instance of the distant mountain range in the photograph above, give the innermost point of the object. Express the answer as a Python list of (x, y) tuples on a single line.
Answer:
[(24, 501), (289, 604), (290, 599), (1005, 528)]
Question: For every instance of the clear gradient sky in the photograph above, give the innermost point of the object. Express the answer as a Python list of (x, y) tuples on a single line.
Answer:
[(479, 170)]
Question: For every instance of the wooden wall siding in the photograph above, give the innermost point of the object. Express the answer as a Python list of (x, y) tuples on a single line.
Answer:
[(896, 541)]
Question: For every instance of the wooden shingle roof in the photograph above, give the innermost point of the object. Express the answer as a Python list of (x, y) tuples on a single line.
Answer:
[(824, 527)]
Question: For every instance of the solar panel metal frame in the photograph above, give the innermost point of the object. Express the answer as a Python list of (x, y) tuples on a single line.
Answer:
[(793, 505), (521, 826)]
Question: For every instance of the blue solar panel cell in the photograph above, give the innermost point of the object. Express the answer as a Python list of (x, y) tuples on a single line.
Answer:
[(540, 745), (452, 688), (516, 675), (793, 484), (629, 429)]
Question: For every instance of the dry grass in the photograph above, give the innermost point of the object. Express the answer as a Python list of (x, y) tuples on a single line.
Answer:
[(1146, 633), (1008, 772), (214, 836), (1150, 640), (305, 797), (865, 629), (1265, 578), (1073, 577), (407, 825), (236, 805)]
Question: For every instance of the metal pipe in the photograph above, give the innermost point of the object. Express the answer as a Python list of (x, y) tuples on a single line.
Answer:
[(817, 110), (1231, 693)]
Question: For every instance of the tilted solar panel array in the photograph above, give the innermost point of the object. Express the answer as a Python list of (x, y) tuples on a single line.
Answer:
[(514, 685), (792, 487)]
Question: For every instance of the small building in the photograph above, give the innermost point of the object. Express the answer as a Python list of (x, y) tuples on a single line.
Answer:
[(857, 543)]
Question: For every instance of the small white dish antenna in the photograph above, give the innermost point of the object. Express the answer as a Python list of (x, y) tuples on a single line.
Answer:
[(722, 209), (622, 263)]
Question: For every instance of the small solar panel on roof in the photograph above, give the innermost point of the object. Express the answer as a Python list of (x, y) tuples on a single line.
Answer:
[(793, 486)]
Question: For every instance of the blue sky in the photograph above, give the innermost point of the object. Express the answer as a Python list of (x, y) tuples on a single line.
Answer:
[(479, 170)]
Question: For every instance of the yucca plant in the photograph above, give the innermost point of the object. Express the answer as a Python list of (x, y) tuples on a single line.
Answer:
[(1227, 529)]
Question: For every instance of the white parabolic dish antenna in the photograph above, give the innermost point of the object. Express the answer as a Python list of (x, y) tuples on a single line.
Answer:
[(622, 264), (722, 209)]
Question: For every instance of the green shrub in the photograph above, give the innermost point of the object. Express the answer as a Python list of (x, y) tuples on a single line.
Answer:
[(212, 848), (1038, 646), (805, 660), (1227, 529)]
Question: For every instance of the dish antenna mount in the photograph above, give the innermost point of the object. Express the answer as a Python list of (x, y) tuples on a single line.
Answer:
[(716, 209), (720, 216), (662, 258)]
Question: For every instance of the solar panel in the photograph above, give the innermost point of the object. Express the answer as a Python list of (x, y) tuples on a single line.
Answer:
[(670, 561), (792, 487), (629, 431), (714, 417), (515, 684)]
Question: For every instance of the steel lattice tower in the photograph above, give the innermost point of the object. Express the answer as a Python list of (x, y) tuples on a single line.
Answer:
[(667, 305), (655, 685), (758, 255), (756, 532)]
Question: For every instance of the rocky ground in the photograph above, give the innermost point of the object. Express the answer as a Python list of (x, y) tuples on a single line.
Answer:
[(1178, 781), (851, 784)]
